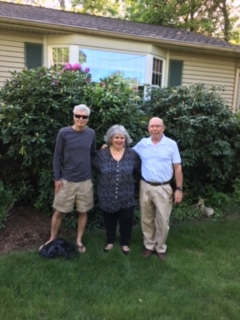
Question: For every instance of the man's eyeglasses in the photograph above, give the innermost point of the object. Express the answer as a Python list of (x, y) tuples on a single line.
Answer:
[(79, 116)]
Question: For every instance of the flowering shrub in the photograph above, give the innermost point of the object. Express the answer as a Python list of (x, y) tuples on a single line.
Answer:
[(35, 104), (75, 67)]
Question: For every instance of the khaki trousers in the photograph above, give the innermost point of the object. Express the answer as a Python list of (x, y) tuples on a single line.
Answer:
[(155, 207)]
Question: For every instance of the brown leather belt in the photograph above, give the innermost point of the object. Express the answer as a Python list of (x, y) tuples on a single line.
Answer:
[(156, 183)]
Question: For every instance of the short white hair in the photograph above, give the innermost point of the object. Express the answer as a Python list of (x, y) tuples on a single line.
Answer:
[(82, 107)]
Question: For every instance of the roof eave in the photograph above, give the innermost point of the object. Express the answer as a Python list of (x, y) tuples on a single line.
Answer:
[(167, 43)]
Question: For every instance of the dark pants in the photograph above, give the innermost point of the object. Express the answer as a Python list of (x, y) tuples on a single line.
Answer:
[(125, 219)]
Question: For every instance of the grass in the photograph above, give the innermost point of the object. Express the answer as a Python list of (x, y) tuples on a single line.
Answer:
[(199, 280)]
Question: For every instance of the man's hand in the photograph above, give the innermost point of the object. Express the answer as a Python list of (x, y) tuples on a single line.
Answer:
[(178, 195), (57, 186)]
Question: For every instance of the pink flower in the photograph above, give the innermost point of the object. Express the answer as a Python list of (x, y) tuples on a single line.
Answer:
[(76, 66), (67, 66), (86, 70)]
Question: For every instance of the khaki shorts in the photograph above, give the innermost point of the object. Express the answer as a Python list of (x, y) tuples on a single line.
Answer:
[(74, 193)]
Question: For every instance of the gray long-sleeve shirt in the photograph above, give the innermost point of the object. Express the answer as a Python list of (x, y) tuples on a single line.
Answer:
[(72, 155)]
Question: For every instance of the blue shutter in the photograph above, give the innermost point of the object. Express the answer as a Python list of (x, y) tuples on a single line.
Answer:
[(33, 55), (175, 73)]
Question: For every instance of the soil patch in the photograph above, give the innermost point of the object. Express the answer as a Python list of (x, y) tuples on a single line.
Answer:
[(26, 229)]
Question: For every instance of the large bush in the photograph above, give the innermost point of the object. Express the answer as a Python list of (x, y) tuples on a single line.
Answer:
[(35, 104), (207, 132)]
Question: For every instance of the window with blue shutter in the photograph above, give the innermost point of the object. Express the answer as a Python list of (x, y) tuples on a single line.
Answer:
[(33, 55), (175, 73)]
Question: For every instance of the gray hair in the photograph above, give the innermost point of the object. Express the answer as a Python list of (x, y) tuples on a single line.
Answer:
[(82, 107), (117, 129)]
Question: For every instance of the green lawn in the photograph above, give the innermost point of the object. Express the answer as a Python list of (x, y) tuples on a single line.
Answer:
[(199, 280)]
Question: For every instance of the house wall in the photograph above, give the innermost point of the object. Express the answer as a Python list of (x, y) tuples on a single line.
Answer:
[(105, 43), (12, 52), (100, 43), (198, 68), (210, 70)]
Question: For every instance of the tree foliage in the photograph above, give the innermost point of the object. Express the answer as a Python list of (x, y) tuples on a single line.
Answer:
[(62, 4), (108, 8), (216, 18)]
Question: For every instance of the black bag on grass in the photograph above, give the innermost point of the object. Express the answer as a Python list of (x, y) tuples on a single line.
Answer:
[(59, 248)]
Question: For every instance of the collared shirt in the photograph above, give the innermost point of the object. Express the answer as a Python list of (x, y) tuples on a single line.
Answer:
[(158, 159), (115, 187)]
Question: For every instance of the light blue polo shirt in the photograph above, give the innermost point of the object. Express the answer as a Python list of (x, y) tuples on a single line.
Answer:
[(158, 159)]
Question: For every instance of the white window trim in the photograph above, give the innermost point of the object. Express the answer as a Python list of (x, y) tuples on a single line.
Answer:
[(50, 62), (149, 66), (74, 58), (236, 98), (73, 54)]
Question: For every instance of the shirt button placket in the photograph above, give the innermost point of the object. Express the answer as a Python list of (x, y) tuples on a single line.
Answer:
[(117, 181)]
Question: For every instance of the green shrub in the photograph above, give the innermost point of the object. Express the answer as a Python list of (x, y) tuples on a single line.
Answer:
[(225, 203), (207, 133), (113, 102), (6, 202), (36, 103)]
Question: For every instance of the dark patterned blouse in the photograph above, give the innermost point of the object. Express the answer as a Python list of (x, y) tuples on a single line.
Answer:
[(115, 187)]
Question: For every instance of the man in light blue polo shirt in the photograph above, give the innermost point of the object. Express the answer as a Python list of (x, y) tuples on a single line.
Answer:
[(160, 161)]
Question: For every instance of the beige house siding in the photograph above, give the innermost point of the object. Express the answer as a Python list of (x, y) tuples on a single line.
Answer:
[(209, 70), (12, 52), (198, 68), (98, 42)]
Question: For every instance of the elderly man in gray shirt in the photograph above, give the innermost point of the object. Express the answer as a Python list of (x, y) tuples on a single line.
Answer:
[(72, 173)]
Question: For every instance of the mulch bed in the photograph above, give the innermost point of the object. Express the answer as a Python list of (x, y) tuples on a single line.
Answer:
[(25, 229)]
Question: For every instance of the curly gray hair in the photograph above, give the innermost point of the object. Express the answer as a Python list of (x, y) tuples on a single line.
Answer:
[(117, 129)]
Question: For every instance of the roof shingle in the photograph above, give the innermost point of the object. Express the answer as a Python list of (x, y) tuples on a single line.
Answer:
[(61, 18)]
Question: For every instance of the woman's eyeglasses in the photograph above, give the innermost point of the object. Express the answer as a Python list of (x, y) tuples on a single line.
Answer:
[(79, 116)]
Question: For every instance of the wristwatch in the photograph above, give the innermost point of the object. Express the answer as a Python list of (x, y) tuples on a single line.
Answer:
[(179, 188)]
